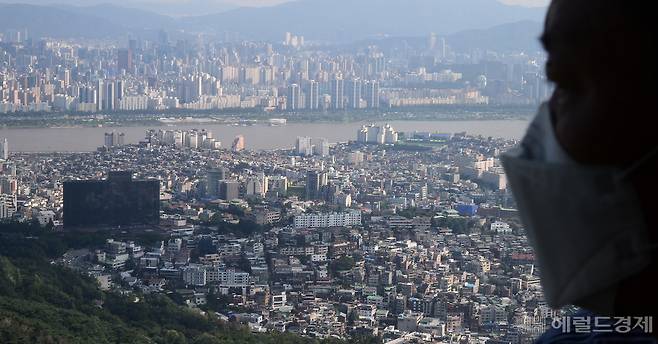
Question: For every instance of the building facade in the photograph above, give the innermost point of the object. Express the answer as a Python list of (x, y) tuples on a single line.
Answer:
[(117, 201)]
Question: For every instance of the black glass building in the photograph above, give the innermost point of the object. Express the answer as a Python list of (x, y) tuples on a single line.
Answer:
[(117, 201)]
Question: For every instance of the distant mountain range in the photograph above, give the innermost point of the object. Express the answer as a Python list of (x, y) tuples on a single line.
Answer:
[(122, 17), (174, 8), (346, 20), (522, 35), (53, 22), (331, 20)]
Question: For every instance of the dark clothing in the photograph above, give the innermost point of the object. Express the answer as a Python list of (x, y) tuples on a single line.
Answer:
[(585, 327)]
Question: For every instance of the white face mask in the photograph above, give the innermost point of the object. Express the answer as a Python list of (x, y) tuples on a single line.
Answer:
[(584, 223)]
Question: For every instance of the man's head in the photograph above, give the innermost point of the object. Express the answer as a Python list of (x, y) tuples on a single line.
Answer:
[(602, 59)]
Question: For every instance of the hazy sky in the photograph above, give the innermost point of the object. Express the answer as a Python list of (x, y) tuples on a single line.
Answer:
[(197, 7), (527, 2), (218, 2)]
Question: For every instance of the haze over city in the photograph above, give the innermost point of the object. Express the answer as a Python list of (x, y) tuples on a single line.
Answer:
[(198, 7), (309, 172)]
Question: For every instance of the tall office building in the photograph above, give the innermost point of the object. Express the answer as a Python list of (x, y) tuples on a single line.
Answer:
[(303, 146), (315, 181), (229, 190), (312, 95), (117, 201), (125, 60), (214, 176), (337, 94), (4, 149)]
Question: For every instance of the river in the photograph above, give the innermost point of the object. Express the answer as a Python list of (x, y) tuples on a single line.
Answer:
[(257, 137)]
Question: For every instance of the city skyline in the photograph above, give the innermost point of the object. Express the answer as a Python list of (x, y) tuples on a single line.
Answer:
[(309, 172), (287, 76), (322, 21)]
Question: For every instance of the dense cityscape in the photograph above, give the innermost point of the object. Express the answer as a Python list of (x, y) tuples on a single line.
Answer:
[(291, 75), (408, 237), (191, 236), (327, 172)]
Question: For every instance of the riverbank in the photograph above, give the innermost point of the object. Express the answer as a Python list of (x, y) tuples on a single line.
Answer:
[(253, 117), (257, 136)]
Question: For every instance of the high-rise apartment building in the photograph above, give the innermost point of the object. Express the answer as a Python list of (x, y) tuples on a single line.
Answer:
[(120, 91), (377, 134), (294, 100), (109, 97), (312, 95), (4, 149), (321, 147), (100, 94), (371, 94), (257, 185), (304, 146), (354, 89), (8, 205), (338, 94), (114, 139)]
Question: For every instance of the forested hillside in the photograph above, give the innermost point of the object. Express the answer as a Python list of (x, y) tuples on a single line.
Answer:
[(41, 302)]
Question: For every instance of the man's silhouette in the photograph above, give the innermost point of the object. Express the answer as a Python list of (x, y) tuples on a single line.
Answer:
[(599, 135)]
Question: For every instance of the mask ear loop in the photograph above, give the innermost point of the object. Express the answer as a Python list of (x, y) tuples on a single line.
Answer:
[(628, 172)]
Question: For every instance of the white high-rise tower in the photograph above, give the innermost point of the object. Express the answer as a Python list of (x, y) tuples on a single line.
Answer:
[(4, 149)]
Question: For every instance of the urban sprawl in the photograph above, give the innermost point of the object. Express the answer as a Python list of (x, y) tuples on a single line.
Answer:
[(194, 74), (412, 237)]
